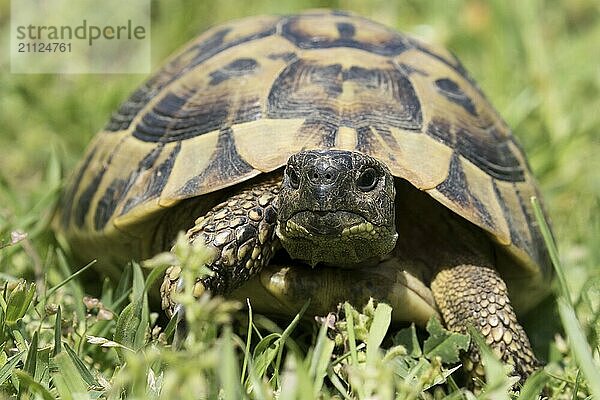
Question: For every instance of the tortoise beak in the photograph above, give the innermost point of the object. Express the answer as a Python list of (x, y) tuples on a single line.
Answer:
[(323, 223)]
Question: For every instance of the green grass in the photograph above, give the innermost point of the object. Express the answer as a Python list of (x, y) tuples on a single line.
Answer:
[(536, 61)]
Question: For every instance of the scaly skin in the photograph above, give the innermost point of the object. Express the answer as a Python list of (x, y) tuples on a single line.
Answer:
[(477, 296), (241, 230)]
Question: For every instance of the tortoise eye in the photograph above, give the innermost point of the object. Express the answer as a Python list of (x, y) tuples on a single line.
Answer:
[(367, 180), (293, 177)]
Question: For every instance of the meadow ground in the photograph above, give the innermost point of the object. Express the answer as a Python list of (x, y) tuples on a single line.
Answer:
[(538, 63)]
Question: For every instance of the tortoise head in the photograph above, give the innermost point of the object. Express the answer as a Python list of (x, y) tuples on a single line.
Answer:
[(336, 207)]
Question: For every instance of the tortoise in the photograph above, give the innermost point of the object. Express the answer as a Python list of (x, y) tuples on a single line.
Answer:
[(321, 155)]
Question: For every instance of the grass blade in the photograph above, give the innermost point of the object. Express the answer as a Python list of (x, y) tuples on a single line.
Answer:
[(228, 367), (320, 359), (124, 286), (551, 246), (316, 355), (129, 324), (70, 278), (27, 382), (533, 386), (407, 337), (337, 383), (291, 378), (134, 319), (68, 381), (57, 333), (576, 387), (7, 368), (285, 335), (579, 345), (351, 333), (170, 328), (155, 273), (379, 327), (248, 343), (258, 389), (83, 371), (31, 360), (265, 352)]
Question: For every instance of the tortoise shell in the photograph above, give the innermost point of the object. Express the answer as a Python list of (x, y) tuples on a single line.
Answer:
[(244, 96)]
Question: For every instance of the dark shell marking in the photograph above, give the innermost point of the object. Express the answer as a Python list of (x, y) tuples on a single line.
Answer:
[(155, 183), (456, 188), (239, 67), (483, 146), (305, 90), (345, 29), (178, 117), (69, 195), (291, 30), (225, 164), (84, 202), (450, 89), (119, 188)]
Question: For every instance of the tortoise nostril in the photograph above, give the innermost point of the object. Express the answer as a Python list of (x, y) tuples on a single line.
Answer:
[(323, 175)]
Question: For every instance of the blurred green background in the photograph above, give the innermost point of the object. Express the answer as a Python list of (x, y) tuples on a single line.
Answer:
[(538, 62)]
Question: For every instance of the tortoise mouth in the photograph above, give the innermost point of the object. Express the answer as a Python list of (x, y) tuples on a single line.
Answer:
[(341, 238), (338, 223)]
